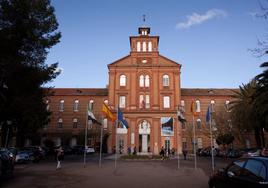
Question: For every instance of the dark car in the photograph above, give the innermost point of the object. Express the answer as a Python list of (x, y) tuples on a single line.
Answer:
[(6, 163), (245, 172)]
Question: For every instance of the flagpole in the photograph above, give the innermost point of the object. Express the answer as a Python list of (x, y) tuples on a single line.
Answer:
[(116, 124), (211, 141), (178, 146), (194, 144), (86, 127), (101, 126)]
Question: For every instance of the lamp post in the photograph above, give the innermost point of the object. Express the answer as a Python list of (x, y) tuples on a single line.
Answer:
[(8, 125)]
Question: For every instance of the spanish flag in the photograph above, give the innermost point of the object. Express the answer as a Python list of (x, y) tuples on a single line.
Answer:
[(108, 112)]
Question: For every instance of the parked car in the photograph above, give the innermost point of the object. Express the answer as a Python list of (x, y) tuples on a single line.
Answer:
[(253, 152), (233, 153), (23, 156), (36, 153), (80, 149), (6, 163), (244, 172)]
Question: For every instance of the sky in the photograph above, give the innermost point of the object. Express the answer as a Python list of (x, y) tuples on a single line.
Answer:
[(211, 39)]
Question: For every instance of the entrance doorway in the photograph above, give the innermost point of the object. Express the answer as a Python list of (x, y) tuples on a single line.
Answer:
[(144, 137), (167, 144)]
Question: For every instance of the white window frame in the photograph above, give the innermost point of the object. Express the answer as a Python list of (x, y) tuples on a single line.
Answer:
[(165, 80), (166, 101), (144, 46), (61, 107), (60, 123), (75, 123), (76, 105), (199, 124), (105, 123), (147, 101), (212, 103), (142, 102), (150, 46), (142, 80), (199, 143), (147, 81), (122, 80), (227, 106), (122, 101), (138, 46), (197, 106)]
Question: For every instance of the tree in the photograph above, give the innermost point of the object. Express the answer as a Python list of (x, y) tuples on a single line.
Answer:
[(244, 113), (261, 96), (28, 29)]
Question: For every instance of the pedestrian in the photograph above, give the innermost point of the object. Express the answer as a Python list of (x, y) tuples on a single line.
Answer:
[(59, 157), (129, 150), (162, 153), (184, 153), (134, 150)]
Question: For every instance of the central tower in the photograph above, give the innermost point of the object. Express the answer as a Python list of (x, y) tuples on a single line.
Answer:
[(146, 87)]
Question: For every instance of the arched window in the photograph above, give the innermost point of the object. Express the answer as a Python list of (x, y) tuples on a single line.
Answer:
[(106, 101), (61, 107), (138, 46), (76, 103), (122, 80), (144, 46), (150, 46), (182, 103), (198, 106), (147, 81), (90, 105), (165, 80), (60, 122), (141, 81), (212, 103), (199, 124), (75, 123), (47, 105), (227, 106)]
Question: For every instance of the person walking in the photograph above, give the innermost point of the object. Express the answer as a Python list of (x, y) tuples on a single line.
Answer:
[(184, 153), (59, 157), (162, 153)]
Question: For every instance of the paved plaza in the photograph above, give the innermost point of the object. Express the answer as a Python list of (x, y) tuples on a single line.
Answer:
[(154, 174)]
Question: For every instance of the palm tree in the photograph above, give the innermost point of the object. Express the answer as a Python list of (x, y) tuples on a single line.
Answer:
[(244, 112), (261, 98)]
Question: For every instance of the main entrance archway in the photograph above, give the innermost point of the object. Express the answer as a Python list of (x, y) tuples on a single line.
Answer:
[(144, 136)]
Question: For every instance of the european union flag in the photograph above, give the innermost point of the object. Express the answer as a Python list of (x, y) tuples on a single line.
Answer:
[(121, 119)]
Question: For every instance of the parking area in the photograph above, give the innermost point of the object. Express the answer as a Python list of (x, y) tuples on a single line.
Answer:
[(127, 174)]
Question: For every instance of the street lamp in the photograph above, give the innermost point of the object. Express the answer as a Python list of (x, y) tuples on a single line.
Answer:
[(8, 125)]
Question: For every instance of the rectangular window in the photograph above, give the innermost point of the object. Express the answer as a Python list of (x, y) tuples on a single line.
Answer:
[(166, 102), (184, 143), (105, 123), (122, 101), (183, 125), (199, 143)]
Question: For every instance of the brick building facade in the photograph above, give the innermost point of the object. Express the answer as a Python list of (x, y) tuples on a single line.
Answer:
[(146, 86)]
